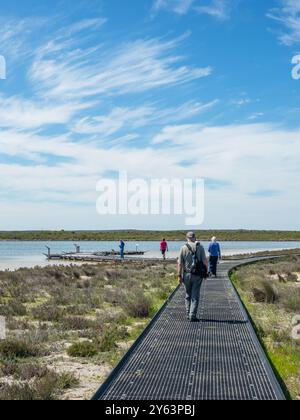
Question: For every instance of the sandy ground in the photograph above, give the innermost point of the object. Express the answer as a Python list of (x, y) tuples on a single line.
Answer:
[(90, 375)]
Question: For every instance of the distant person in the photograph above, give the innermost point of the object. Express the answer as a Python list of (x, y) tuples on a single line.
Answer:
[(214, 251), (122, 249), (192, 269), (164, 248)]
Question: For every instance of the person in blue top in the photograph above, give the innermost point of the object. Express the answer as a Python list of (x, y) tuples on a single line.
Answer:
[(214, 256), (122, 248)]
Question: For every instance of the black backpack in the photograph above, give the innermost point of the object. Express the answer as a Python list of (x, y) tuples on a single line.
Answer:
[(198, 267)]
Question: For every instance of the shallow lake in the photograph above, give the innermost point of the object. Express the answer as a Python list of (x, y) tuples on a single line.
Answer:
[(29, 254)]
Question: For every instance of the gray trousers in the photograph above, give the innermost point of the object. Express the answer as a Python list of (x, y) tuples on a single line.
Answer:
[(192, 287)]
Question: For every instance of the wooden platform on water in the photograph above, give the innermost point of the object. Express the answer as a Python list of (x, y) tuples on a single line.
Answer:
[(92, 256)]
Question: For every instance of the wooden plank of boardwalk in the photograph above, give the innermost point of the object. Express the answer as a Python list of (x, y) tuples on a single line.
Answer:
[(219, 358)]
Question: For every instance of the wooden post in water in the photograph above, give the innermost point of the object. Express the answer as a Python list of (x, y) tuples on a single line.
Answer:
[(77, 248), (49, 252)]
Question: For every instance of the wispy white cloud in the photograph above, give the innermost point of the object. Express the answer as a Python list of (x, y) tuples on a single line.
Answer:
[(231, 153), (84, 24), (130, 68), (239, 155), (180, 7), (255, 116), (16, 36), (107, 125), (219, 9), (249, 158), (288, 15), (241, 101), (20, 113), (134, 118)]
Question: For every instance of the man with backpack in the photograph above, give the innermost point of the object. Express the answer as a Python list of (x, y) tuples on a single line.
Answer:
[(192, 269)]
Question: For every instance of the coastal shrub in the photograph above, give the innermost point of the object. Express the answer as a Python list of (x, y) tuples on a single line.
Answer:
[(77, 323), (29, 371), (23, 371), (67, 380), (89, 271), (8, 368), (82, 349), (292, 304), (10, 349), (163, 293), (292, 277), (112, 274), (265, 293), (13, 308), (83, 284), (47, 388), (138, 306), (76, 274), (109, 338), (17, 392), (17, 324), (61, 296), (280, 336), (78, 310), (47, 312), (114, 296)]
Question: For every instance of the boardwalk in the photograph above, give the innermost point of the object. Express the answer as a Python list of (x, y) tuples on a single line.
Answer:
[(219, 358)]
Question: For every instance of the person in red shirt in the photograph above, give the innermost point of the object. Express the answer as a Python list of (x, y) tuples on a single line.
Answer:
[(164, 248)]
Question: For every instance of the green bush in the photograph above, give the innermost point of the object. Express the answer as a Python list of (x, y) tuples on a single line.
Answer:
[(108, 339), (82, 349), (17, 392), (13, 308), (67, 380), (47, 312), (292, 304), (47, 388), (138, 306), (10, 349), (23, 372), (265, 292), (29, 371), (77, 323), (8, 368)]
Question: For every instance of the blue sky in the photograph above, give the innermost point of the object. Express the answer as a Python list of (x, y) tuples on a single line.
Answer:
[(174, 88)]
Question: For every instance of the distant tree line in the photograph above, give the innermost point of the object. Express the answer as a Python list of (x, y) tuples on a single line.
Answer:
[(138, 235)]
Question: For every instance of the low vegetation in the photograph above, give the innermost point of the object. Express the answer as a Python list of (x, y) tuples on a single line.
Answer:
[(67, 327), (274, 253), (271, 293), (135, 235), (44, 387)]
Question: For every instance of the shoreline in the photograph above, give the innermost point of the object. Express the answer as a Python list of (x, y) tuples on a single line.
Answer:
[(227, 256)]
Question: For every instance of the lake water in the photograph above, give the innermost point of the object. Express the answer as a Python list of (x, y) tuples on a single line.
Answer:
[(18, 254)]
